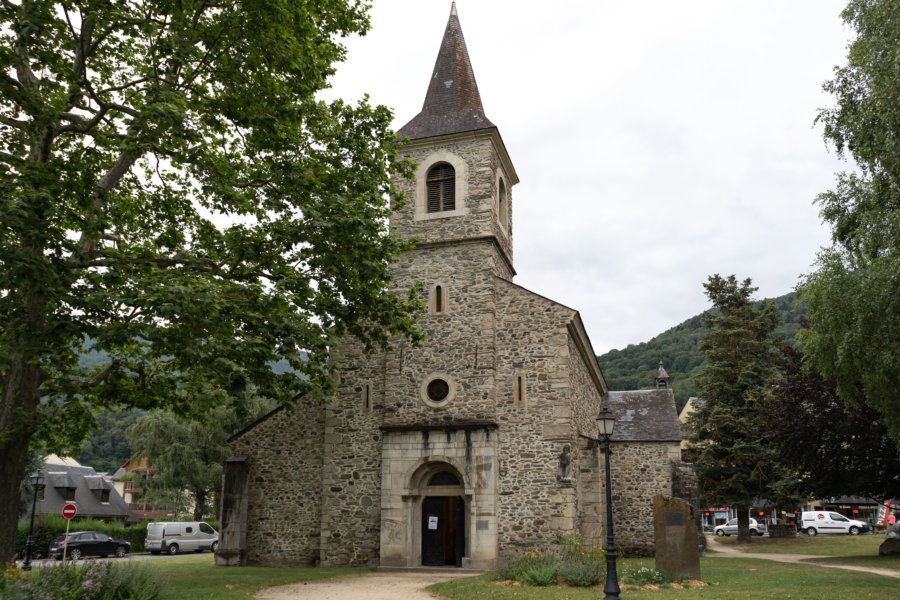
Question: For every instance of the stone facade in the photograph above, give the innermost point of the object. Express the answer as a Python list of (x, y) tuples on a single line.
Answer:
[(481, 441)]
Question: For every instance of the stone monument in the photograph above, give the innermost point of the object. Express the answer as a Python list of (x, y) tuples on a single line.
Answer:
[(891, 545), (677, 544)]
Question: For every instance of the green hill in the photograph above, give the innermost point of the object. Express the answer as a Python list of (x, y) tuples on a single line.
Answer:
[(634, 367)]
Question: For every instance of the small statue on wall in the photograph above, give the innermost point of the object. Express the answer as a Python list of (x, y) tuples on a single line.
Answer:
[(565, 464)]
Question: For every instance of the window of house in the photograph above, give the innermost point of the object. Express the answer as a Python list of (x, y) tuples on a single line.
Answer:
[(70, 494), (104, 496), (441, 188)]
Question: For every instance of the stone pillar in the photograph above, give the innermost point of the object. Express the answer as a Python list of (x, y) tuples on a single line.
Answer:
[(232, 549)]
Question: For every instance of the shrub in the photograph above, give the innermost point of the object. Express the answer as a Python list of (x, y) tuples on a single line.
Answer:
[(541, 575), (581, 573), (90, 581), (49, 527)]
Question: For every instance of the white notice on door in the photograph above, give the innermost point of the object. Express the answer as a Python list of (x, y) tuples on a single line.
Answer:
[(432, 522)]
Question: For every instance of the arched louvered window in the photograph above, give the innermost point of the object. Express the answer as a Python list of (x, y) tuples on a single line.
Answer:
[(441, 184), (502, 207)]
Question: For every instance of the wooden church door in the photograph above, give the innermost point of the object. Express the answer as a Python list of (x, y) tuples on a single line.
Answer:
[(443, 531)]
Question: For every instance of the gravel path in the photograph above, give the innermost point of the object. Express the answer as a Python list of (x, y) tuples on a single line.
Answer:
[(728, 551), (371, 586)]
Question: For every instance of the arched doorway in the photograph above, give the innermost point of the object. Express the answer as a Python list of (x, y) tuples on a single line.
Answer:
[(443, 530)]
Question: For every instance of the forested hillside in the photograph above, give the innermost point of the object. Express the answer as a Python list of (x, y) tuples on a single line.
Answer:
[(634, 367)]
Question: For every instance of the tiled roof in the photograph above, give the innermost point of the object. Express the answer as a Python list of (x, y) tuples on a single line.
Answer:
[(452, 104), (89, 486), (644, 416)]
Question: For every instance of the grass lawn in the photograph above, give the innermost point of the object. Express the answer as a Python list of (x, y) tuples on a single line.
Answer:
[(727, 579), (197, 578)]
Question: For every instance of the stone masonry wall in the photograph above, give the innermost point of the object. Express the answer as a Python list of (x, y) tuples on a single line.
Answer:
[(640, 471), (535, 505), (285, 455), (481, 200), (459, 345), (351, 476)]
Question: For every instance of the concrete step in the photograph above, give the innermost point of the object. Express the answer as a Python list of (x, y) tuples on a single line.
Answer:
[(448, 570)]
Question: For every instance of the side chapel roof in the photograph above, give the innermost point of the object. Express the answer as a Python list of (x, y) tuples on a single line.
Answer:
[(644, 416), (452, 103)]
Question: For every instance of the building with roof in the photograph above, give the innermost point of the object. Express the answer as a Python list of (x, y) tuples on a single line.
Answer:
[(480, 442), (92, 493)]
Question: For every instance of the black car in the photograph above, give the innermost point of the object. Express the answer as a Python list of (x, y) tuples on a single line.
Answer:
[(88, 543)]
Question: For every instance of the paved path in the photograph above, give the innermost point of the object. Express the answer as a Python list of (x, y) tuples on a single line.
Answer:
[(371, 586), (729, 551)]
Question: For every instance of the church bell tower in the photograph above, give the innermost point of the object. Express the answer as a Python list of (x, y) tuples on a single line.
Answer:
[(461, 193)]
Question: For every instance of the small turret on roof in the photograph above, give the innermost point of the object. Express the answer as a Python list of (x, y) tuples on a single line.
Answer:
[(452, 103), (662, 378)]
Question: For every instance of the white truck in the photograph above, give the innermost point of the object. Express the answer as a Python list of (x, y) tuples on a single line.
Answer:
[(172, 537)]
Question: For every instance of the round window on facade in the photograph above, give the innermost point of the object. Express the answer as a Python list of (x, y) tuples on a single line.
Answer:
[(437, 390)]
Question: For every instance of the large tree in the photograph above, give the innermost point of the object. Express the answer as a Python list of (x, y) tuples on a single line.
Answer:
[(832, 451), (732, 462), (854, 294), (172, 191)]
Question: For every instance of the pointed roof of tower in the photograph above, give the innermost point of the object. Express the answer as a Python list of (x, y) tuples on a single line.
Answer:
[(452, 104)]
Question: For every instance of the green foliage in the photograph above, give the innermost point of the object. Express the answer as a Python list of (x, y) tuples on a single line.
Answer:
[(853, 296), (831, 450), (49, 527), (634, 367), (172, 189), (187, 455), (91, 581), (733, 465), (582, 573), (541, 575), (107, 448)]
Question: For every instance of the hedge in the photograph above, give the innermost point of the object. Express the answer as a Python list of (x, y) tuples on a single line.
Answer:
[(49, 527)]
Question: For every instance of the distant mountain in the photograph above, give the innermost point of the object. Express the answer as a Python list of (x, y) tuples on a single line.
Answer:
[(634, 367)]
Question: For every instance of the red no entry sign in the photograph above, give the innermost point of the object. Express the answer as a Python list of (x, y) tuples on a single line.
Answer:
[(69, 511)]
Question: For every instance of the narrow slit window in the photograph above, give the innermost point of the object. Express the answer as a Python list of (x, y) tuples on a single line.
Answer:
[(441, 187), (438, 299), (520, 390), (367, 398)]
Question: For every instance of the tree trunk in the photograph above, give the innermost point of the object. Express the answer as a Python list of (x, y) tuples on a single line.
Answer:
[(18, 406), (743, 517), (199, 504)]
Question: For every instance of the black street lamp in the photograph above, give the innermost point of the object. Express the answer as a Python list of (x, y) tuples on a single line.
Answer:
[(605, 422), (37, 482)]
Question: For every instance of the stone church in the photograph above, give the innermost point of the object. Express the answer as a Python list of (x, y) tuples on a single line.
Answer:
[(482, 441)]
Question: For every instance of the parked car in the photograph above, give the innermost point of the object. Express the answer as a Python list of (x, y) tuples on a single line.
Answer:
[(823, 521), (172, 537), (88, 543), (731, 528)]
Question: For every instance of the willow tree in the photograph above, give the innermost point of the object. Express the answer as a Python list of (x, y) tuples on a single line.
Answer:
[(173, 195)]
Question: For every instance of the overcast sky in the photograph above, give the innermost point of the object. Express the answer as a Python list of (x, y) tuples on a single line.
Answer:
[(657, 142)]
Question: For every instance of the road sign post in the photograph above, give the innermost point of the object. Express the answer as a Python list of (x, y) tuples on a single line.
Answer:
[(68, 512)]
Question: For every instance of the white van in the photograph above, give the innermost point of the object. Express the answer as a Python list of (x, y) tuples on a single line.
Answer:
[(172, 537), (824, 521)]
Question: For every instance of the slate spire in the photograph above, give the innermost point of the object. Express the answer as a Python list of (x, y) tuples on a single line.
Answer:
[(452, 104)]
